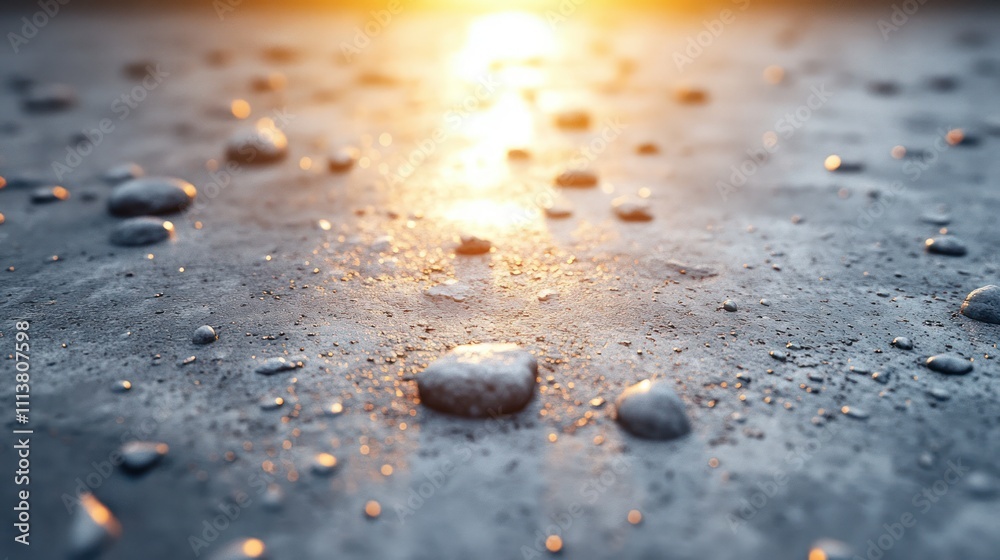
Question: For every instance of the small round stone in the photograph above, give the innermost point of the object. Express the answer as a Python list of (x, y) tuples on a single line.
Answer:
[(902, 343), (277, 364), (242, 549), (342, 160), (121, 173), (44, 195), (558, 207), (652, 411), (689, 95), (139, 456), (261, 144), (479, 380), (577, 178), (204, 334), (49, 98), (144, 230), (151, 195), (946, 245), (949, 364), (778, 355), (647, 149), (729, 305), (324, 464), (632, 209), (983, 304), (573, 120), (121, 386), (472, 245), (518, 154), (271, 403), (93, 528)]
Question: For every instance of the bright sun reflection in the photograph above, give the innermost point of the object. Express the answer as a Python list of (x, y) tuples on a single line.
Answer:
[(504, 38), (486, 217)]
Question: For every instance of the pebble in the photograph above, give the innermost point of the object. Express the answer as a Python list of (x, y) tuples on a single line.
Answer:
[(647, 149), (632, 209), (729, 305), (518, 154), (93, 528), (342, 160), (558, 207), (139, 456), (573, 119), (902, 343), (983, 304), (652, 410), (855, 412), (547, 295), (981, 484), (479, 380), (44, 195), (274, 497), (472, 245), (778, 355), (277, 364), (765, 302), (324, 464), (204, 334), (151, 195), (816, 376), (121, 386), (144, 230), (121, 173), (831, 549), (450, 289), (242, 549), (939, 219), (271, 403), (939, 393), (950, 364), (689, 95), (577, 178), (48, 98), (262, 144), (946, 245), (26, 180)]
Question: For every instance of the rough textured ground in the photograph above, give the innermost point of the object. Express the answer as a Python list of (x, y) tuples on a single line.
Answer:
[(842, 282)]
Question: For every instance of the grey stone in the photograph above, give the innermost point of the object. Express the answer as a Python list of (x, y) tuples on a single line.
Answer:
[(257, 146), (632, 209), (950, 364), (139, 456), (204, 334), (946, 245), (151, 195), (121, 173), (144, 230), (983, 304), (652, 410), (479, 380), (93, 529)]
